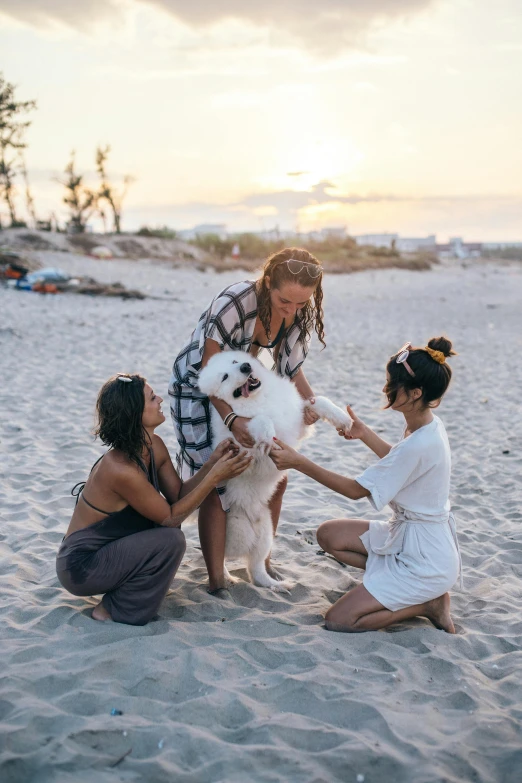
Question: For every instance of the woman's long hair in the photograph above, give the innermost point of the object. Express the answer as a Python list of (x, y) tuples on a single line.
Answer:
[(119, 410), (311, 315)]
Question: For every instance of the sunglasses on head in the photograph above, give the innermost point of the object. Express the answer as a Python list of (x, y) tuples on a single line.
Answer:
[(295, 267), (402, 357)]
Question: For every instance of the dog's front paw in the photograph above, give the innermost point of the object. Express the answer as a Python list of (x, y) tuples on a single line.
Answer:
[(326, 409), (263, 431)]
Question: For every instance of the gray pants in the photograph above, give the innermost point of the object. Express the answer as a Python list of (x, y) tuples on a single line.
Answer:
[(133, 569)]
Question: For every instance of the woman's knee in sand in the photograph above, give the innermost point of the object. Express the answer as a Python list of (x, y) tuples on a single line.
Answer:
[(174, 540), (324, 536), (337, 619)]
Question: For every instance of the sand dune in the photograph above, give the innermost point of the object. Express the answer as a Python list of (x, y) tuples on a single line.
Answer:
[(254, 688)]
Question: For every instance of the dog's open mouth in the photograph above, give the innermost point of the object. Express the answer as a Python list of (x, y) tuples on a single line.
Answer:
[(251, 385)]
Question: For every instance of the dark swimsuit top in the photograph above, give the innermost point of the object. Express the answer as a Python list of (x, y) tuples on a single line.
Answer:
[(152, 473), (79, 546), (274, 342)]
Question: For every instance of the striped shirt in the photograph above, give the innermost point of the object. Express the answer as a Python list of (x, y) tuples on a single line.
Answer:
[(229, 320)]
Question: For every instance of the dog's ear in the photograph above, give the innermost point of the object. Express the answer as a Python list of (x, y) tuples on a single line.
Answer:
[(209, 381)]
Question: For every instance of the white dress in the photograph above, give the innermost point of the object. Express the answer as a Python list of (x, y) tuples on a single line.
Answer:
[(415, 556)]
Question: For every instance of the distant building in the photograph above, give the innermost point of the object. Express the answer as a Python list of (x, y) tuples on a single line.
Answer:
[(414, 244), (501, 245), (402, 244), (330, 232), (377, 240), (203, 230), (457, 248)]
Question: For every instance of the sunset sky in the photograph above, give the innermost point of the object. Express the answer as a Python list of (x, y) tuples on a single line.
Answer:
[(381, 115)]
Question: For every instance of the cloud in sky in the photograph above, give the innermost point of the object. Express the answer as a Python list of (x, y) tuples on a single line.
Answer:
[(325, 26), (317, 207), (288, 201), (318, 25), (39, 13)]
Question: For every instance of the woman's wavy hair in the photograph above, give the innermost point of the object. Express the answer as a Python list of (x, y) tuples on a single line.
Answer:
[(430, 377), (119, 411), (311, 315)]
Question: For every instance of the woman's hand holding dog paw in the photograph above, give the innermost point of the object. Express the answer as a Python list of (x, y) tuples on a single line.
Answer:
[(284, 456), (241, 432), (221, 449), (358, 427), (310, 416), (231, 464)]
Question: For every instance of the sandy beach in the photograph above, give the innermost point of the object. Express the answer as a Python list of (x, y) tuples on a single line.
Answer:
[(254, 688)]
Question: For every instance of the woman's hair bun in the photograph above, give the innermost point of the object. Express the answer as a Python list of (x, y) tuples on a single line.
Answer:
[(442, 344)]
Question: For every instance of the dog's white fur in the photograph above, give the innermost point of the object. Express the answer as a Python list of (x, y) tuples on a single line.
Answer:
[(275, 409)]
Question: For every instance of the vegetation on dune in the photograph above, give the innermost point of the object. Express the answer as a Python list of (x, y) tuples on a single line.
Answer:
[(13, 127), (513, 253), (337, 254), (108, 193), (80, 200)]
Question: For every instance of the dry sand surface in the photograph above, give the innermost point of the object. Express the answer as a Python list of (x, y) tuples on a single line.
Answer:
[(253, 688)]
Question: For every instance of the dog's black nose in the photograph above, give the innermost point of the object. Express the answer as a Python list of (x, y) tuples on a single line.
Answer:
[(246, 368)]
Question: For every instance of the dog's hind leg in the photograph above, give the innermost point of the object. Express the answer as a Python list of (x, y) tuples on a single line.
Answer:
[(257, 556)]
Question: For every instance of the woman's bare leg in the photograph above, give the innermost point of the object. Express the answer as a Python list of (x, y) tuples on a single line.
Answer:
[(276, 501), (212, 523), (340, 538), (359, 611)]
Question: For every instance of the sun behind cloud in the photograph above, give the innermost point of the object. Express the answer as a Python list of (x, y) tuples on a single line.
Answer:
[(300, 163)]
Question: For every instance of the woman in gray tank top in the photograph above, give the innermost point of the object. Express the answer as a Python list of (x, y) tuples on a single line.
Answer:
[(124, 538)]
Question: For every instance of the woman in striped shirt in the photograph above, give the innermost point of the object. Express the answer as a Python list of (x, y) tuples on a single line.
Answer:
[(278, 312)]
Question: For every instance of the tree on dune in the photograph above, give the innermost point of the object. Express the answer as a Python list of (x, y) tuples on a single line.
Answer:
[(82, 201), (29, 200), (12, 143), (107, 191)]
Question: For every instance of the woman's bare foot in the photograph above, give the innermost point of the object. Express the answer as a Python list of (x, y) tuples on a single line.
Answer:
[(223, 593), (100, 613), (438, 611)]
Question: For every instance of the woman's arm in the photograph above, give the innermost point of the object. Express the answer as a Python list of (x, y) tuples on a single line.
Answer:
[(131, 483), (285, 457), (361, 431), (170, 483), (302, 385), (306, 392), (221, 450)]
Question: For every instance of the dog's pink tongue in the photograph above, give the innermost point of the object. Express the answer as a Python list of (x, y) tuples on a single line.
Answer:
[(244, 390)]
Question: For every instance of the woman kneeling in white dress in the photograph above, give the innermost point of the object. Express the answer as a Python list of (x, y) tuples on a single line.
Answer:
[(413, 560)]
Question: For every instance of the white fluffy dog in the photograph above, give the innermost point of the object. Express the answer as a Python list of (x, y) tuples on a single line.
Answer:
[(275, 409)]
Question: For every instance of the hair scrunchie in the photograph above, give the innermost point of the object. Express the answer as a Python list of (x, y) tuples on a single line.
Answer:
[(438, 356)]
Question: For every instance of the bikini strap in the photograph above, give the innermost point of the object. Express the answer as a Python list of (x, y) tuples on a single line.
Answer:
[(107, 513), (98, 460), (78, 488), (153, 473)]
